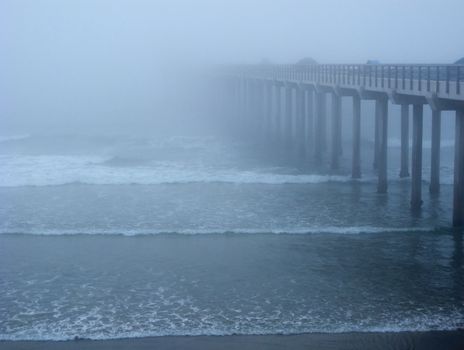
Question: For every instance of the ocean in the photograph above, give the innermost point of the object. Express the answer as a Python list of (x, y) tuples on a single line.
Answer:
[(117, 236)]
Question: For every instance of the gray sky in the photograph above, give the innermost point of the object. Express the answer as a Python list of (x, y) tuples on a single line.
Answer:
[(91, 58)]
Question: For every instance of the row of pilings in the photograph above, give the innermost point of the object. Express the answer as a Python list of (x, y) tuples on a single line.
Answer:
[(299, 127)]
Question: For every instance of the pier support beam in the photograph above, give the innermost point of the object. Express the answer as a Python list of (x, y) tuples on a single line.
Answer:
[(404, 172), (356, 161), (458, 200), (416, 171), (300, 122), (376, 134), (252, 98), (278, 114), (309, 123), (435, 162), (288, 118), (246, 107), (336, 131), (268, 111), (261, 109), (383, 144), (320, 139)]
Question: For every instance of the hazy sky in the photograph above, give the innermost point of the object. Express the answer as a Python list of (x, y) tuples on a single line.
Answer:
[(87, 58)]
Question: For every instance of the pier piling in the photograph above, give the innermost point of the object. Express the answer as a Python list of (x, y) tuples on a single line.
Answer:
[(300, 122), (404, 172), (320, 138), (383, 144), (336, 131), (435, 154), (309, 137), (458, 190), (288, 118), (356, 161), (416, 171)]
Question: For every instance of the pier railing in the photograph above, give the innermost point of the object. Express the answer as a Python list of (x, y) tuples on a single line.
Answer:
[(443, 80)]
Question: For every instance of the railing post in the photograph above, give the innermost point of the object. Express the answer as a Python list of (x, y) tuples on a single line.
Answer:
[(420, 78), (344, 74), (403, 78), (359, 74), (396, 77), (351, 75), (389, 76), (364, 75), (370, 76), (458, 81), (411, 77), (382, 77), (447, 79), (428, 78), (437, 87)]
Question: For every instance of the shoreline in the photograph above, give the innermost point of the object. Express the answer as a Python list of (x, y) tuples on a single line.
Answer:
[(444, 340)]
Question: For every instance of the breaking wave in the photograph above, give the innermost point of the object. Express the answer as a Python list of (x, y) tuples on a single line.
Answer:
[(53, 170), (245, 231)]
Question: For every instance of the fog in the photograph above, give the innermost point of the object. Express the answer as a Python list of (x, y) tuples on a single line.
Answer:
[(132, 66), (150, 199)]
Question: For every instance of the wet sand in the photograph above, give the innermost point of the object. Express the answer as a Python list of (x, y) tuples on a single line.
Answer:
[(443, 340)]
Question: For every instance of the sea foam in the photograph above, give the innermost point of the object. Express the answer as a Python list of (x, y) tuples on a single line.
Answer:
[(49, 170)]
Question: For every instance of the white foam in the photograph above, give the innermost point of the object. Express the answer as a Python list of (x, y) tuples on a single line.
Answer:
[(46, 170), (191, 231), (242, 325)]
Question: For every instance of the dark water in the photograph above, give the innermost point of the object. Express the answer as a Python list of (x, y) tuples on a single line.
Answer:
[(193, 236)]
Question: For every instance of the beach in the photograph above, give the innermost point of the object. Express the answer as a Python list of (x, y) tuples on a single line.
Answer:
[(443, 340)]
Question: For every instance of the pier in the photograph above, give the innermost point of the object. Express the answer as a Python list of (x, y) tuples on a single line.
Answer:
[(257, 91)]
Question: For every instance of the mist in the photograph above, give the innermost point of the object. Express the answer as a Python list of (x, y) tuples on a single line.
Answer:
[(231, 174), (115, 66)]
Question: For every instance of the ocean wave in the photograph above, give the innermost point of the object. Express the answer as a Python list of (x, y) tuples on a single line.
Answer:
[(353, 230), (263, 179), (56, 170), (61, 170), (428, 321)]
